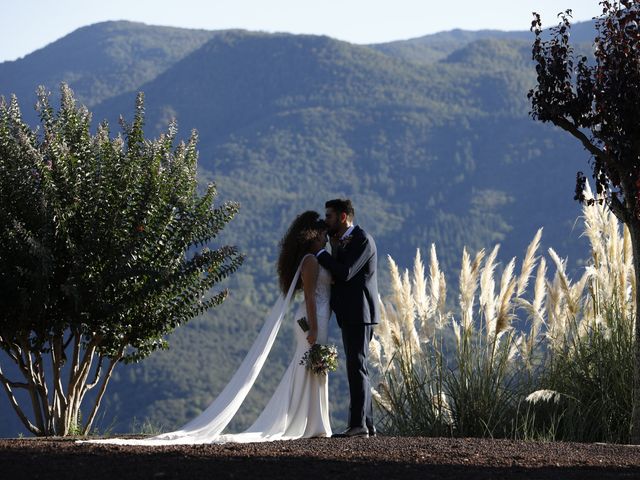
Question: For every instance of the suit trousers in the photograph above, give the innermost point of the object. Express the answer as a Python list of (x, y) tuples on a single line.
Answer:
[(355, 339)]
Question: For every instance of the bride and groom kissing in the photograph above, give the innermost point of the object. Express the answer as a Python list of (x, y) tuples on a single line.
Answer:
[(344, 281), (352, 266)]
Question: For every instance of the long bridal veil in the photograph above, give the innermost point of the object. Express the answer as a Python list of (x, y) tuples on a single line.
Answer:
[(208, 426)]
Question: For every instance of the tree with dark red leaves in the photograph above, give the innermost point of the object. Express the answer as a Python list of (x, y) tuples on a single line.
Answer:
[(599, 104)]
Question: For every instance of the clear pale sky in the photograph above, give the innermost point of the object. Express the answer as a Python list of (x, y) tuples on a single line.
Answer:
[(26, 25)]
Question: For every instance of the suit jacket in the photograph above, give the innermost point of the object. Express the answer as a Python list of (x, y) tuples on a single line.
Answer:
[(354, 293)]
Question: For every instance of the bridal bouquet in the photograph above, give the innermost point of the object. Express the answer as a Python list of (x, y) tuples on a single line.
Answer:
[(321, 359)]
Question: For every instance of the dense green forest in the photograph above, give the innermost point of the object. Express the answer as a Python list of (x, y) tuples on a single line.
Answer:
[(430, 138)]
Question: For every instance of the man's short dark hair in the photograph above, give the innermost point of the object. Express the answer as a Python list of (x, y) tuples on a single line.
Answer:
[(340, 205)]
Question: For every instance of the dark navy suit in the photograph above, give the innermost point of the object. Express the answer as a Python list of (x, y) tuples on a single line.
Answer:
[(354, 299)]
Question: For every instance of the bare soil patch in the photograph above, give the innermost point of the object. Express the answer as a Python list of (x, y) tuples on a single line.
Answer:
[(374, 458)]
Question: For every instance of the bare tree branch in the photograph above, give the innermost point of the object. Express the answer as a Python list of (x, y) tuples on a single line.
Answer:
[(85, 364), (103, 388), (29, 372), (59, 397), (96, 379), (6, 347), (13, 384), (619, 209), (75, 360), (14, 403), (66, 344), (42, 388), (79, 386), (586, 143)]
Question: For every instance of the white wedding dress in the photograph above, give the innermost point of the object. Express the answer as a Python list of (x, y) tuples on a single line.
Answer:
[(299, 408)]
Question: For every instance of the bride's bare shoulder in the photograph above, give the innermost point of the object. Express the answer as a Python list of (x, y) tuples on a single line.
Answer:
[(309, 264), (309, 260)]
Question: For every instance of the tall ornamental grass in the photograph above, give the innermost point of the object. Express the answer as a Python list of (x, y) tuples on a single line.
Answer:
[(522, 354)]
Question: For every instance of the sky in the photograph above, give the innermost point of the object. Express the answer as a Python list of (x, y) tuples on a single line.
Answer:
[(27, 25)]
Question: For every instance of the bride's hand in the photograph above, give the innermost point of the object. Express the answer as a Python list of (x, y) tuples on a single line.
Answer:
[(312, 336)]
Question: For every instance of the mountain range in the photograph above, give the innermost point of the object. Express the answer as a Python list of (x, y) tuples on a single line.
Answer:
[(430, 137)]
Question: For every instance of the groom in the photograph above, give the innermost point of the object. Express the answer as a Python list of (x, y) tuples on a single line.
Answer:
[(354, 299)]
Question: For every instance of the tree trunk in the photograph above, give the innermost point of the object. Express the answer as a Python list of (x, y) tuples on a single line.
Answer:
[(87, 427), (56, 411), (634, 230)]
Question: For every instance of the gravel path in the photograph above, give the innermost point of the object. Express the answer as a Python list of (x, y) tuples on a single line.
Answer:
[(375, 458)]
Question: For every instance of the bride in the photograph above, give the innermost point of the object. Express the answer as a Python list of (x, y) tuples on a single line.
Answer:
[(299, 408)]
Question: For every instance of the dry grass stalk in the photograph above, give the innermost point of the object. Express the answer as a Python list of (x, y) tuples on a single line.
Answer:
[(559, 315), (507, 289), (529, 263), (468, 286), (544, 396), (487, 288), (535, 315), (421, 299)]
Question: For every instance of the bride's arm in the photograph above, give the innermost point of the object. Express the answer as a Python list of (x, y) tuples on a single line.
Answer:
[(310, 271)]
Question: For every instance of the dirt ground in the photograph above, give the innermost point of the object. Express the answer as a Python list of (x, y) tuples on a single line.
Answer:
[(374, 458)]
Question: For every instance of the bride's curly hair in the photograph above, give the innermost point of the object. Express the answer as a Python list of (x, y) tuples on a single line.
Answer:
[(296, 244)]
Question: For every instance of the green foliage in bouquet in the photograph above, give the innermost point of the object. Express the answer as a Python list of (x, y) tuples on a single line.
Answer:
[(321, 359)]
